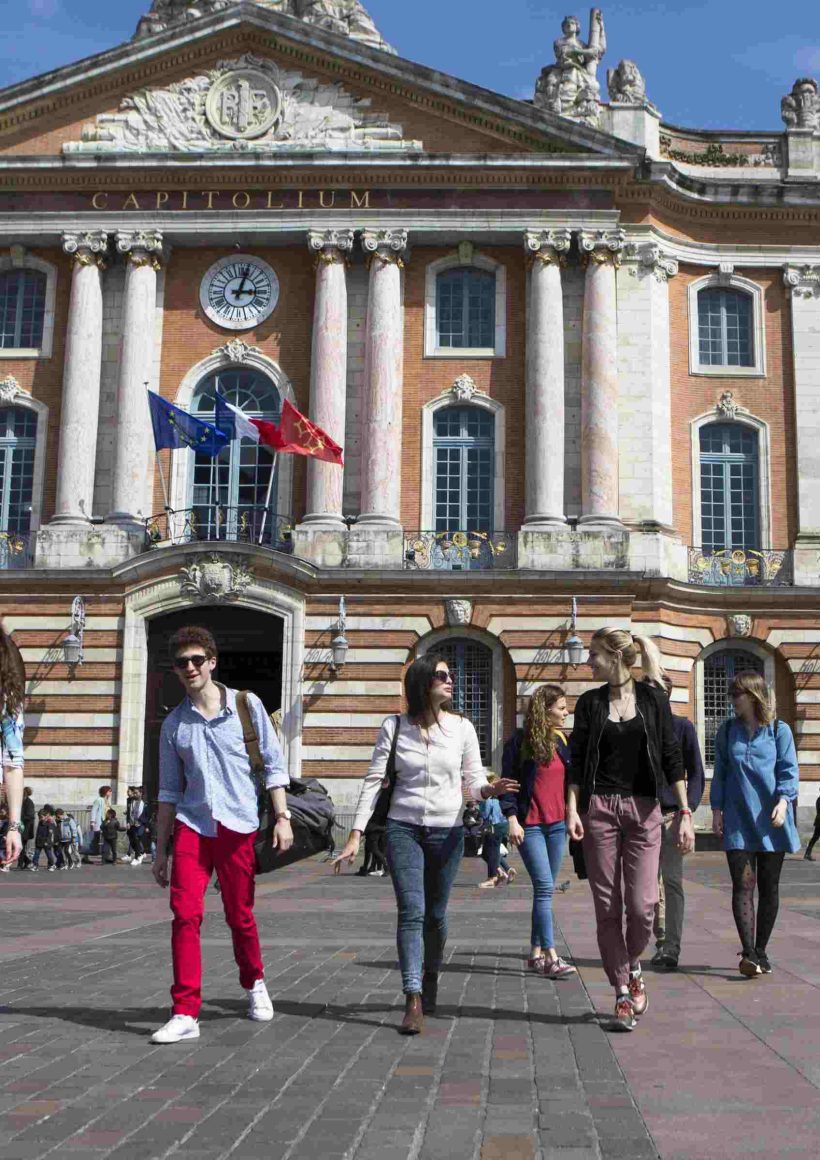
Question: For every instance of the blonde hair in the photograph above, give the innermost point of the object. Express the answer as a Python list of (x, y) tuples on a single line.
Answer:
[(539, 732), (619, 640), (754, 686)]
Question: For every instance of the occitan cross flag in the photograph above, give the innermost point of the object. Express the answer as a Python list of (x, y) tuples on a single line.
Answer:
[(296, 435)]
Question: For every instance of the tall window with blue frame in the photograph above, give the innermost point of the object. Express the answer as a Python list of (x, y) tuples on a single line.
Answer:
[(725, 328), (228, 493), (464, 455), (18, 438), (729, 487), (22, 309), (465, 309), (471, 664), (719, 670)]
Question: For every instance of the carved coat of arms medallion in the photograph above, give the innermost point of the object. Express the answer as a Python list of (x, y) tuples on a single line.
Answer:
[(214, 580), (243, 103)]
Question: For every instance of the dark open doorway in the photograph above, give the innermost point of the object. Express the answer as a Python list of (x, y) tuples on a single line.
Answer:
[(250, 657)]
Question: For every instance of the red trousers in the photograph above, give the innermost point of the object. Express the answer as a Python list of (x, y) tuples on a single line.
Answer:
[(194, 861)]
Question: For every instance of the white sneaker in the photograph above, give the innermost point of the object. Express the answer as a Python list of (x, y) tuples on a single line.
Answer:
[(138, 860), (260, 1008), (125, 858), (177, 1028)]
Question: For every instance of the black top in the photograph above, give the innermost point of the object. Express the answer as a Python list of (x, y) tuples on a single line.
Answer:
[(624, 761)]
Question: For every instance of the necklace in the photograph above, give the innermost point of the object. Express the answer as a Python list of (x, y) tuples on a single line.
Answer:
[(625, 705)]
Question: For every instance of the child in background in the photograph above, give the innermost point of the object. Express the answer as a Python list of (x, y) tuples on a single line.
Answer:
[(44, 839), (109, 830), (76, 841), (65, 840)]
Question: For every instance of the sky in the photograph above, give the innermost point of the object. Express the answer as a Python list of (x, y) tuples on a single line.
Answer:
[(722, 64)]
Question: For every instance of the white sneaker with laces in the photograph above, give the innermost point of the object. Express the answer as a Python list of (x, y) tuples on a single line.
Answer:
[(177, 1029), (138, 860), (125, 858), (260, 1008)]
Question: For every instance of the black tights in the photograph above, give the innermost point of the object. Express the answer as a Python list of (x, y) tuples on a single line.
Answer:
[(749, 869)]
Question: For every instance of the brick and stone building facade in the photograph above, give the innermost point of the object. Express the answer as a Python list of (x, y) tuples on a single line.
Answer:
[(572, 353)]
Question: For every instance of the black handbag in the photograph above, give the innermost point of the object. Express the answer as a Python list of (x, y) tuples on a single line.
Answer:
[(378, 819), (310, 805)]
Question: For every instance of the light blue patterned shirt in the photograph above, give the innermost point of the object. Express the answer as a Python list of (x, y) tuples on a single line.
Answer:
[(204, 769)]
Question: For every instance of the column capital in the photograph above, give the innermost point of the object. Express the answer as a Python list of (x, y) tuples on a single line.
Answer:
[(602, 246), (330, 246), (87, 248), (389, 246), (802, 281), (649, 257), (141, 248), (547, 246)]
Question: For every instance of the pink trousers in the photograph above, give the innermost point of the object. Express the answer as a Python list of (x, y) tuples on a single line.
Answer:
[(622, 842), (194, 861)]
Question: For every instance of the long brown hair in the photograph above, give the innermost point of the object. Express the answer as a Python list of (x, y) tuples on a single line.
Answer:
[(753, 685), (12, 676), (539, 732)]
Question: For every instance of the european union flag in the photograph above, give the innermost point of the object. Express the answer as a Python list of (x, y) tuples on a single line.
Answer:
[(176, 428)]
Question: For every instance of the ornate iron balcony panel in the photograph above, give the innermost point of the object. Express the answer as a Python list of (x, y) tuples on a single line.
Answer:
[(740, 567), (459, 551), (16, 550), (212, 523)]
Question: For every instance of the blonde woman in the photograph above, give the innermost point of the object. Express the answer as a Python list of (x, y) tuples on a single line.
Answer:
[(536, 756), (753, 787), (623, 751)]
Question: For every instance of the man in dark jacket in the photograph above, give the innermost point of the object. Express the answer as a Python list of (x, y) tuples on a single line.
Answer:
[(28, 816), (669, 911)]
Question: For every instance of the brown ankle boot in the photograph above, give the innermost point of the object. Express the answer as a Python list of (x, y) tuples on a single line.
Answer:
[(429, 993), (413, 1020)]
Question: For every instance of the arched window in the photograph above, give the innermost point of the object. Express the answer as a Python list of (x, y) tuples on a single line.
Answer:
[(464, 456), (729, 487), (719, 670), (465, 308), (229, 492), (22, 309), (471, 664), (18, 439), (725, 328)]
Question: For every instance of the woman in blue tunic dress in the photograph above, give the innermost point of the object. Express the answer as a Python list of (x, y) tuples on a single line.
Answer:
[(754, 784)]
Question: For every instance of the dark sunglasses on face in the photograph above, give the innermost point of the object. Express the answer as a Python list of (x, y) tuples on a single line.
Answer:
[(197, 661), (440, 677)]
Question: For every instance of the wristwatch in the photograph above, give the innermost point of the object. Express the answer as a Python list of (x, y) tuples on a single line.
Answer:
[(283, 815), (18, 826)]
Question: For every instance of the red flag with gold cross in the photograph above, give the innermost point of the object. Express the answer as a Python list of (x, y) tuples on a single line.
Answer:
[(296, 435)]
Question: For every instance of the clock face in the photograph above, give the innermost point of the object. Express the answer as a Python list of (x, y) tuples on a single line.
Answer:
[(239, 292)]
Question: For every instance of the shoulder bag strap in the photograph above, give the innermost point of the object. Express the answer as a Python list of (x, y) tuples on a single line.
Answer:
[(249, 733), (390, 769)]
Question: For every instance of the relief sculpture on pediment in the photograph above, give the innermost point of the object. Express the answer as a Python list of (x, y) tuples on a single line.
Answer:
[(243, 104)]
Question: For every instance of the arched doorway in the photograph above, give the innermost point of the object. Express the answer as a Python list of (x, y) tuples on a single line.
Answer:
[(250, 657)]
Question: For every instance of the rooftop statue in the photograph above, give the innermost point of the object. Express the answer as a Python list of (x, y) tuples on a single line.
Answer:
[(800, 109), (570, 86), (348, 17), (626, 85)]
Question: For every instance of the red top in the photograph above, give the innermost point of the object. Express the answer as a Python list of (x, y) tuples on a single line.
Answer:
[(547, 805)]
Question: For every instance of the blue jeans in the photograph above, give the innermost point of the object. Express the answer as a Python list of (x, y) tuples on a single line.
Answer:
[(491, 849), (423, 862), (542, 852)]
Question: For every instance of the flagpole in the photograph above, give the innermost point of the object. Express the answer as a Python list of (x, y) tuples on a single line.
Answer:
[(269, 493)]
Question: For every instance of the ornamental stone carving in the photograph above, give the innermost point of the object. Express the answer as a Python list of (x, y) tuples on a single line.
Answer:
[(215, 579), (651, 259), (547, 246), (570, 86), (625, 84), (800, 109), (9, 389), (602, 245), (802, 281), (726, 406), (388, 245), (237, 351), (463, 389), (86, 248), (458, 612), (243, 104), (739, 624), (330, 245), (145, 241)]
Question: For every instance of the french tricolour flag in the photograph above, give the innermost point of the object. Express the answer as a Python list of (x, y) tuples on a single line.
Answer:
[(236, 425)]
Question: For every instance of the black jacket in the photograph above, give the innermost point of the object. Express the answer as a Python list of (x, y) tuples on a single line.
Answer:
[(45, 836), (591, 712), (523, 769), (109, 830), (28, 815), (687, 737)]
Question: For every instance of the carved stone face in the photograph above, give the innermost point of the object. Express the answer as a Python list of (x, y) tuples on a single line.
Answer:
[(570, 26)]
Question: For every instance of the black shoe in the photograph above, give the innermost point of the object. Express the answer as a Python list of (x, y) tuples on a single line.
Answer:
[(657, 958), (749, 966), (763, 962), (668, 963), (429, 993), (807, 857)]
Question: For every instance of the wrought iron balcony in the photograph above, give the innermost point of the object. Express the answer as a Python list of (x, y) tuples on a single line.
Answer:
[(16, 550), (248, 524), (459, 551), (740, 567)]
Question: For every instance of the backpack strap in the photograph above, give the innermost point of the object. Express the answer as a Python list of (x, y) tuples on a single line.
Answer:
[(249, 735)]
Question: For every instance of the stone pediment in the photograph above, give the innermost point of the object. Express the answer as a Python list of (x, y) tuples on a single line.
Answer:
[(244, 104)]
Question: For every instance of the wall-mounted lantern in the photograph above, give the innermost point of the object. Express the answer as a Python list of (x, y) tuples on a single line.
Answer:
[(573, 645), (339, 645)]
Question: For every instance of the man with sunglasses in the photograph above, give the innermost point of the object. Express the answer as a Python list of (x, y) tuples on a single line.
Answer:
[(208, 802)]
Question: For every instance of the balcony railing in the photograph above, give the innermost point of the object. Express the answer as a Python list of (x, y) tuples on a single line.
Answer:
[(459, 551), (213, 523), (740, 567), (16, 550)]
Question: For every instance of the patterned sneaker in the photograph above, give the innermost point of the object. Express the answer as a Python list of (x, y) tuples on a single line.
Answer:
[(763, 963), (749, 966), (536, 964), (637, 993), (557, 969), (624, 1019)]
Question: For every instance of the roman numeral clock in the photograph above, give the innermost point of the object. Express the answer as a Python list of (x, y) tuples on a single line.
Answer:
[(239, 292)]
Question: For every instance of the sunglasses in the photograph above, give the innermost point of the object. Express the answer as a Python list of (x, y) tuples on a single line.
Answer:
[(442, 678), (197, 661)]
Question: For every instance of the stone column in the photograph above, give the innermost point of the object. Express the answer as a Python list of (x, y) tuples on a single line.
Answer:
[(803, 286), (80, 405), (132, 478), (381, 443), (599, 380), (328, 372), (544, 454)]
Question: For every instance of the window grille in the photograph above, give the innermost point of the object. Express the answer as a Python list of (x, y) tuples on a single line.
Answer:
[(729, 487), (465, 308), (471, 664), (464, 451), (22, 309), (725, 329), (18, 433), (719, 670)]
